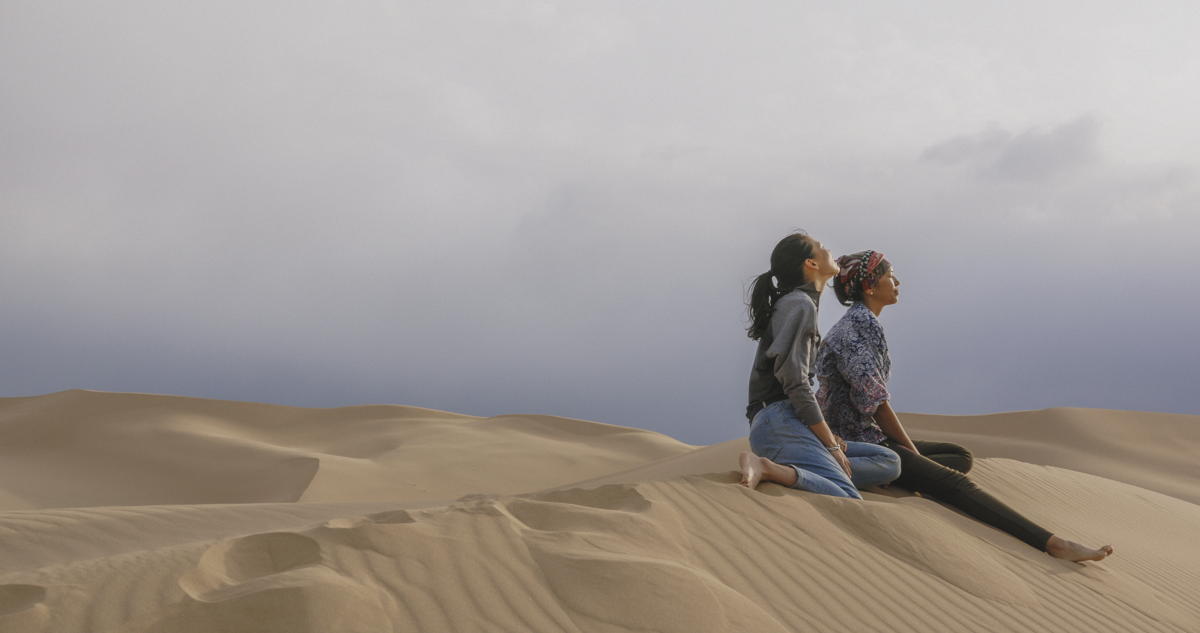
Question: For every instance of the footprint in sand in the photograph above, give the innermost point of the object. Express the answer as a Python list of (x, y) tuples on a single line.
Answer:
[(23, 608), (276, 581), (613, 509), (388, 517), (345, 523), (259, 555), (229, 564), (611, 497), (479, 503), (391, 516)]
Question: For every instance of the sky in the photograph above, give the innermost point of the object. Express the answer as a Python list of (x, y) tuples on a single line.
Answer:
[(496, 207)]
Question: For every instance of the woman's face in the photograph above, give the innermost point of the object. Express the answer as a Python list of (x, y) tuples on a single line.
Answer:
[(887, 290)]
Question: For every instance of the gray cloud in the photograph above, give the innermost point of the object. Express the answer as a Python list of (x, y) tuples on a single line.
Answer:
[(1031, 155)]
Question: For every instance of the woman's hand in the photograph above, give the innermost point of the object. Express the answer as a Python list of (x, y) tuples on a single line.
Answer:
[(842, 460), (834, 444)]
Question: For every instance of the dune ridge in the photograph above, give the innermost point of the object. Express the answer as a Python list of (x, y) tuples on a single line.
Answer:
[(658, 538), (87, 448)]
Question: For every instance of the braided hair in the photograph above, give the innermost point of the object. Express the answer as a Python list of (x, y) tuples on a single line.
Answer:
[(787, 266)]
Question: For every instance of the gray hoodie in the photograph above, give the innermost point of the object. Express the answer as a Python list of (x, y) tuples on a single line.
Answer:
[(786, 352)]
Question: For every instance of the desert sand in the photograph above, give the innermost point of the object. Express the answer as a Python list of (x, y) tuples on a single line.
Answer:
[(139, 513)]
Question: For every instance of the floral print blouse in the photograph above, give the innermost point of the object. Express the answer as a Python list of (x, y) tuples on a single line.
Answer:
[(853, 367)]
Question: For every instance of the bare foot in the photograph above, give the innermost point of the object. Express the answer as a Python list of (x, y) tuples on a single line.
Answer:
[(1072, 551), (752, 469), (757, 469)]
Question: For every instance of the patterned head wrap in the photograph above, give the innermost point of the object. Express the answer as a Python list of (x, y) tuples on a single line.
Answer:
[(860, 270)]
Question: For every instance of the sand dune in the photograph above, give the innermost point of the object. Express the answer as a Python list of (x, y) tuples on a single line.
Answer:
[(1153, 450), (88, 448), (146, 513)]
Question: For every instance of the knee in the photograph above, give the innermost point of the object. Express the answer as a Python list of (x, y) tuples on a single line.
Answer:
[(891, 464), (966, 459), (954, 456)]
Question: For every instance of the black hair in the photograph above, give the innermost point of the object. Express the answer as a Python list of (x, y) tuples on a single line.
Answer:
[(851, 291), (787, 265)]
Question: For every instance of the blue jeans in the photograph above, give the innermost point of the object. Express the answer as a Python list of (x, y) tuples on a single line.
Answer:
[(777, 434)]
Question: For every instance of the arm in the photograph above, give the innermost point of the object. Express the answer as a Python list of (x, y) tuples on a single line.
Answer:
[(889, 423), (791, 350), (793, 355), (825, 434)]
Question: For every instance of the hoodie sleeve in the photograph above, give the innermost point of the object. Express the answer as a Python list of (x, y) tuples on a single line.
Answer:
[(794, 327)]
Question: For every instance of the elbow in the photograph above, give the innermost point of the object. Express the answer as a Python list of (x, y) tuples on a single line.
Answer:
[(800, 392), (870, 407)]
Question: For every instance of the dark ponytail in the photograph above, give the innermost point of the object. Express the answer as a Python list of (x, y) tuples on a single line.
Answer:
[(762, 298), (787, 265)]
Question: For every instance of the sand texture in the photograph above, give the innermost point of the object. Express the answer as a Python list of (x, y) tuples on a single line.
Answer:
[(130, 513)]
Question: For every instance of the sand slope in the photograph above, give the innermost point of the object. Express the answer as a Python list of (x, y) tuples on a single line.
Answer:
[(631, 531), (1153, 450)]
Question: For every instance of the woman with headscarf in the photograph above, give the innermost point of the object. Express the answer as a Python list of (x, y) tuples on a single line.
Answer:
[(789, 440), (853, 367)]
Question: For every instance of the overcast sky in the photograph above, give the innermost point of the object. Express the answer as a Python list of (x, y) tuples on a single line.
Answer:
[(521, 207)]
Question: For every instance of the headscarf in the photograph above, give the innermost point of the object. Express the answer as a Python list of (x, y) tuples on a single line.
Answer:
[(862, 269)]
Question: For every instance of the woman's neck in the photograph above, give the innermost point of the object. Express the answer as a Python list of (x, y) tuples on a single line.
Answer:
[(818, 283)]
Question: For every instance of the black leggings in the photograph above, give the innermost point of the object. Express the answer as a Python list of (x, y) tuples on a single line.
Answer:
[(940, 473)]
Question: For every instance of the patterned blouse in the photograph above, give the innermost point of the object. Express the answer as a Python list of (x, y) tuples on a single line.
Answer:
[(853, 367)]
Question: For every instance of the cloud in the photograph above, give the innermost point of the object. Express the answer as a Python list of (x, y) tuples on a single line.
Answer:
[(1032, 155)]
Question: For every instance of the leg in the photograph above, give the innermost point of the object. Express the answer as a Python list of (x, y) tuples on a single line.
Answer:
[(757, 469), (921, 474), (872, 464), (780, 438), (821, 483), (947, 454), (951, 487)]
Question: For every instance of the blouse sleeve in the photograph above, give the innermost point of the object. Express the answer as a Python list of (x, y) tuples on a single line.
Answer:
[(861, 364)]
